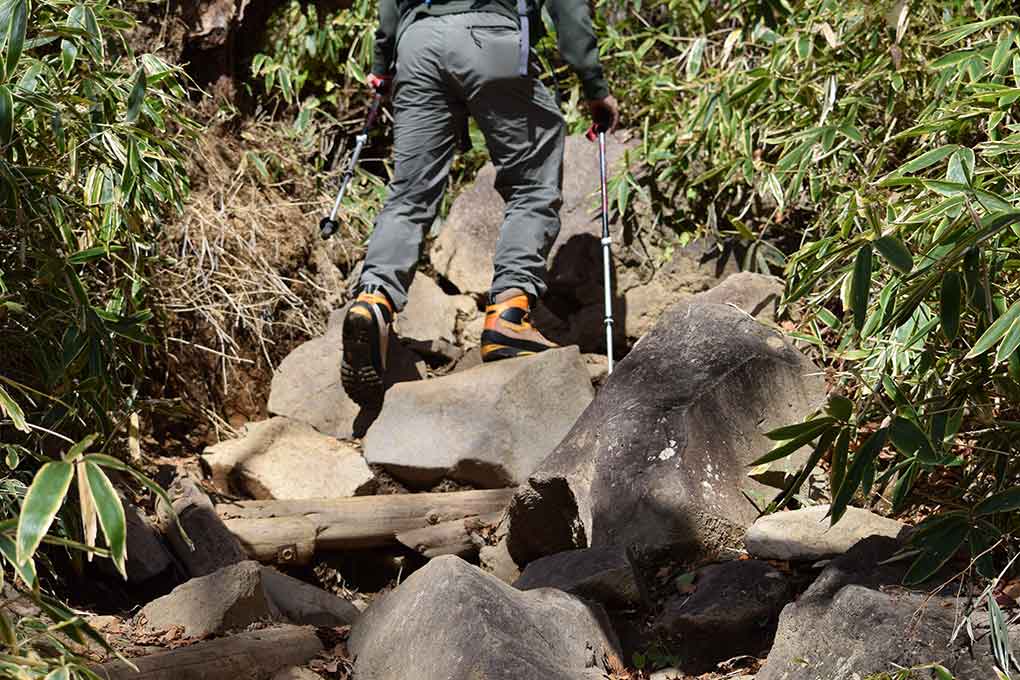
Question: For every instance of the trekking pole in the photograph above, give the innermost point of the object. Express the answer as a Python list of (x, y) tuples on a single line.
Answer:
[(328, 225), (599, 130)]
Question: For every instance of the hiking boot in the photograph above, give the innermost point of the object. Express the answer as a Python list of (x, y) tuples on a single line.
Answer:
[(366, 334), (508, 331)]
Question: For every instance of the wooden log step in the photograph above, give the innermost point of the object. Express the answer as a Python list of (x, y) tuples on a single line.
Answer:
[(448, 538), (280, 531), (255, 655)]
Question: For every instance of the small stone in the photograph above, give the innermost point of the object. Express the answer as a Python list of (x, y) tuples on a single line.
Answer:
[(104, 623), (805, 534), (237, 596), (300, 603), (667, 674), (285, 459), (227, 599), (297, 673), (496, 560), (598, 368), (857, 619), (472, 335)]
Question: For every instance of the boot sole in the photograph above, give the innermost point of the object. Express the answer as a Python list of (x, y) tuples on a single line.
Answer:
[(497, 346), (500, 352), (360, 378)]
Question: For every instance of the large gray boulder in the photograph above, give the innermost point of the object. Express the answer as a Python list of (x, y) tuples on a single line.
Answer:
[(696, 268), (638, 302), (452, 621), (463, 250), (306, 386), (660, 458), (805, 534), (285, 459), (856, 621), (756, 294), (490, 425)]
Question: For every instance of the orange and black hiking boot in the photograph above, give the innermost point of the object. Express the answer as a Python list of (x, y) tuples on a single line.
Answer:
[(365, 336), (508, 331)]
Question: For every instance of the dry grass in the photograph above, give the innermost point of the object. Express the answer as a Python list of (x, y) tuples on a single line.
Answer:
[(247, 276)]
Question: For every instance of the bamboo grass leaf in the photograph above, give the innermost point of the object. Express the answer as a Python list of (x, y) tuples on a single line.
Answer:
[(926, 159), (939, 546), (897, 254), (12, 410), (137, 96), (1004, 501), (861, 286), (16, 36), (862, 459), (43, 500), (1010, 343), (995, 332), (111, 514), (949, 305)]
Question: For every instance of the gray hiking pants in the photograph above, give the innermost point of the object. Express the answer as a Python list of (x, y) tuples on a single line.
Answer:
[(447, 67)]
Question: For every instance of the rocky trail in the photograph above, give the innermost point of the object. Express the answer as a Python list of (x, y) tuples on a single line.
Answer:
[(533, 519)]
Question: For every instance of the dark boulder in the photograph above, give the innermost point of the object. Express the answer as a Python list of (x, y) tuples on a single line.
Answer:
[(660, 458)]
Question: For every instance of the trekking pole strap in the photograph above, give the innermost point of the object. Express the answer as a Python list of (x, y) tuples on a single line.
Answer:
[(525, 21), (373, 113)]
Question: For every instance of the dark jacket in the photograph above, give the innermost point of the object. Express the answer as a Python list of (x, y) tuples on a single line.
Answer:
[(574, 32)]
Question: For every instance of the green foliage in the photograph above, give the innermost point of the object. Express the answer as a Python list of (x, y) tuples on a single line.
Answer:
[(932, 671), (880, 144), (89, 166), (319, 63)]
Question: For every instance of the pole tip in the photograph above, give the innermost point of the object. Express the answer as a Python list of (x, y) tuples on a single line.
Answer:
[(328, 227)]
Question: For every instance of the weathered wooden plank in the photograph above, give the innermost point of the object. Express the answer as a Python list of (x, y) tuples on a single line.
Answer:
[(448, 538), (352, 523), (255, 655)]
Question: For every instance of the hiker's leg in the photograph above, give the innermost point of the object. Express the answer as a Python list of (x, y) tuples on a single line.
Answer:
[(524, 132), (426, 122)]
